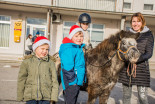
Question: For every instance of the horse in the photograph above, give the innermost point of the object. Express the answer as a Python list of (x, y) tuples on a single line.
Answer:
[(105, 61)]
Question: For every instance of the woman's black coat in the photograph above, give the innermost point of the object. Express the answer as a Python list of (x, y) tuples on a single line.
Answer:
[(145, 44)]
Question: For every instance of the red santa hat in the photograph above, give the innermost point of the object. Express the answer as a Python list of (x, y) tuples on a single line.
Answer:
[(74, 29), (40, 41)]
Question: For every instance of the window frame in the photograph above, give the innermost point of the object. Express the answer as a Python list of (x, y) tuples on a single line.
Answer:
[(127, 8), (7, 22), (90, 28), (148, 4), (67, 27), (31, 25)]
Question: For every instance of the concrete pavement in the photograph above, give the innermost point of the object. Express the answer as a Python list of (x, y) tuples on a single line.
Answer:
[(8, 86)]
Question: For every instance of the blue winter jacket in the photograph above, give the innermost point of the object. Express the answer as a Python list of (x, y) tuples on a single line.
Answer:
[(72, 64)]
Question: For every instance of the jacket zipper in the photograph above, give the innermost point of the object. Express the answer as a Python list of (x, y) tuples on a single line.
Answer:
[(146, 63), (38, 81)]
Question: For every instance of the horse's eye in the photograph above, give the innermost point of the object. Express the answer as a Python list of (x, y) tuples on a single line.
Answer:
[(123, 42)]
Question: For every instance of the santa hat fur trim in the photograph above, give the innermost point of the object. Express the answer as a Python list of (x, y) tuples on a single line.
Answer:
[(40, 41), (74, 29)]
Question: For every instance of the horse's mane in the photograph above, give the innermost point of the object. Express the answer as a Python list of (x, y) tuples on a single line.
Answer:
[(111, 43), (108, 44), (107, 47)]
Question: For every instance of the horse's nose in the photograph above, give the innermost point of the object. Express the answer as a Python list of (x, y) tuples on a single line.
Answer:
[(136, 53)]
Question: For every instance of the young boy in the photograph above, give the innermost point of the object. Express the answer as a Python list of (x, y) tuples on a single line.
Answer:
[(84, 21), (72, 64), (37, 78)]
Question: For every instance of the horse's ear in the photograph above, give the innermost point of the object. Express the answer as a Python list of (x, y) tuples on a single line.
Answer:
[(121, 34)]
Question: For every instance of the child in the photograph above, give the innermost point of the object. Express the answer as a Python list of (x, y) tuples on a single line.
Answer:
[(84, 22), (72, 64), (37, 78)]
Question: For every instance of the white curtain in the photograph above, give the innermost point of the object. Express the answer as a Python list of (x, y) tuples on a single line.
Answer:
[(4, 34)]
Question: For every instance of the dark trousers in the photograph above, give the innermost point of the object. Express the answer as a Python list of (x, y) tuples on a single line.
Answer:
[(38, 102), (71, 94)]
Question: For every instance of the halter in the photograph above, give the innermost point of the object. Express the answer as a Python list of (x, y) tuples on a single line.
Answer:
[(118, 51), (133, 66), (133, 71), (123, 52)]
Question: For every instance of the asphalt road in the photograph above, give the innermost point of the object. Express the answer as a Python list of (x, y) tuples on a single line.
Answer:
[(8, 87)]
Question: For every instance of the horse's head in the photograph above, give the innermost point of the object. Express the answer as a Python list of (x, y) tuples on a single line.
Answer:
[(127, 47)]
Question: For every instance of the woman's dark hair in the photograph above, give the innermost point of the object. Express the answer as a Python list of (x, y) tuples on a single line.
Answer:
[(28, 36), (140, 18)]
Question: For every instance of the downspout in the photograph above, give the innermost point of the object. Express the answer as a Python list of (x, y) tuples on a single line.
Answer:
[(49, 29), (122, 6), (25, 35), (48, 24), (51, 25), (123, 22), (123, 18)]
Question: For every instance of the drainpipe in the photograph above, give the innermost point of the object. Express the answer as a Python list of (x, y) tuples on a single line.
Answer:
[(49, 29), (122, 6), (123, 22), (49, 23), (52, 2)]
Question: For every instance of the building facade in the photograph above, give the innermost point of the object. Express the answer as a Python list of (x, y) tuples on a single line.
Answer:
[(53, 18)]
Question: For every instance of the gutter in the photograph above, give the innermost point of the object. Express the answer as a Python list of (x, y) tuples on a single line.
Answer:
[(72, 9), (25, 4)]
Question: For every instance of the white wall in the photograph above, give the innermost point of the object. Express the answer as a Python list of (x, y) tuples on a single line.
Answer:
[(37, 2), (119, 5), (106, 5), (136, 6), (17, 48), (111, 27)]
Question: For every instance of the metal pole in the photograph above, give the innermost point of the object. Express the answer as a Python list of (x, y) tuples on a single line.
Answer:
[(122, 6), (48, 24), (51, 24)]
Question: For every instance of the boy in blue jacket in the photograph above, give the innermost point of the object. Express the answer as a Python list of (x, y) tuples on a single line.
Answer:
[(72, 64)]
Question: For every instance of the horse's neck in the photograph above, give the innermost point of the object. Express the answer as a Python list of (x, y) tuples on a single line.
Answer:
[(117, 65)]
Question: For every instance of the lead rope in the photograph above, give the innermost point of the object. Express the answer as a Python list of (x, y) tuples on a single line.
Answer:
[(133, 73)]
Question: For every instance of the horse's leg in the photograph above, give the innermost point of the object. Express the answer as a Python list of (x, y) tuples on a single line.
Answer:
[(91, 99), (103, 99)]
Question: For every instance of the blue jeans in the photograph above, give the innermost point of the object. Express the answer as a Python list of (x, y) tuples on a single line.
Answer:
[(38, 102)]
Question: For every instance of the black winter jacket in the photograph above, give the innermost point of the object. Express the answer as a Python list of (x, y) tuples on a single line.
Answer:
[(145, 44)]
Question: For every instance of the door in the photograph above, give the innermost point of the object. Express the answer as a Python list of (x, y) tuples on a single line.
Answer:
[(33, 29)]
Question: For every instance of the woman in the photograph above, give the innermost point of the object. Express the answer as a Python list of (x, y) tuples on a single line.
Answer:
[(28, 45), (145, 44)]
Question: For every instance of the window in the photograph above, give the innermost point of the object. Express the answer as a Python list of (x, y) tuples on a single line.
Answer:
[(127, 26), (36, 21), (127, 5), (148, 6), (4, 31), (96, 32), (67, 26), (35, 25)]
